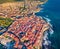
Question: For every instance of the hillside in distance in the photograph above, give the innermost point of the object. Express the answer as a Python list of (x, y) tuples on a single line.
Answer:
[(4, 1)]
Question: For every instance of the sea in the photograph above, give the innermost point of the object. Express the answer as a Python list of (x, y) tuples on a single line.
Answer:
[(51, 12)]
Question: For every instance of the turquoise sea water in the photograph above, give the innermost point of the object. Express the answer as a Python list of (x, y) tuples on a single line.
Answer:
[(51, 10)]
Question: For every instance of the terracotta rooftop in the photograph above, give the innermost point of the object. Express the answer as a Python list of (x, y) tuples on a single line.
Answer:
[(28, 31)]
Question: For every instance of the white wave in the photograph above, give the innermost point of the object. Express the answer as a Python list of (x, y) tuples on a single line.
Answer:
[(45, 36), (46, 33), (47, 19), (51, 31), (46, 40)]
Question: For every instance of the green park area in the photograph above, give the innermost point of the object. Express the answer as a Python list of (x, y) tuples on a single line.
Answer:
[(5, 22)]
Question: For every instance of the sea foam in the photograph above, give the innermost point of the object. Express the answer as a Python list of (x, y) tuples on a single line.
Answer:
[(46, 41)]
